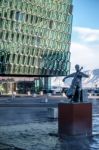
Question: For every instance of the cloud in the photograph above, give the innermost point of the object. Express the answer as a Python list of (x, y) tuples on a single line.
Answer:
[(87, 34), (85, 55)]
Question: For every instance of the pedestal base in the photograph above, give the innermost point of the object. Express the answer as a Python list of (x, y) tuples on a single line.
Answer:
[(75, 119)]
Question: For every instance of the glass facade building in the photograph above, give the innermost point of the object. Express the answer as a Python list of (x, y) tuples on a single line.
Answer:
[(35, 37)]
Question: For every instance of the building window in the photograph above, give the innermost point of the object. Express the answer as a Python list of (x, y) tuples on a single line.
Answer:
[(5, 14), (10, 3), (13, 58), (18, 59), (7, 36), (5, 1), (22, 16), (70, 9), (22, 37), (17, 36), (50, 24), (1, 35), (0, 2), (32, 61), (26, 19), (8, 57), (11, 14), (27, 39), (1, 22), (28, 61), (23, 60), (37, 40), (12, 25), (0, 14), (32, 41), (36, 19), (17, 17), (31, 18), (12, 36)]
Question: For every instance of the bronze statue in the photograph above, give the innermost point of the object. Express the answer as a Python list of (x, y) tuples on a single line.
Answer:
[(75, 90)]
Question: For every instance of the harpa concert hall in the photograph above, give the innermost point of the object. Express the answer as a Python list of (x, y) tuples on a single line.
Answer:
[(35, 38)]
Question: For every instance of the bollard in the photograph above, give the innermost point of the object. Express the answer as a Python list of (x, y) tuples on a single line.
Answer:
[(53, 113), (41, 93), (85, 95), (34, 94), (28, 93), (13, 95), (49, 94), (46, 99), (63, 94)]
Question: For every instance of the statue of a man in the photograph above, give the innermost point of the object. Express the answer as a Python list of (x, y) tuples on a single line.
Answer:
[(75, 90)]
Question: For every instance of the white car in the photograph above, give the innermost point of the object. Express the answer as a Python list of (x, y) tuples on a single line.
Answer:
[(55, 89)]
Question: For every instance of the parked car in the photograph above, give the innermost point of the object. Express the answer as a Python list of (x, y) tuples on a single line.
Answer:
[(93, 91), (96, 92), (56, 89)]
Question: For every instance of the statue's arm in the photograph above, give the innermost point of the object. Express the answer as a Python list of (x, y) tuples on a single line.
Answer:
[(84, 75), (68, 76)]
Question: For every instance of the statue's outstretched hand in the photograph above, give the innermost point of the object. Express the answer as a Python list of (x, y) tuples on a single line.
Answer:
[(63, 80)]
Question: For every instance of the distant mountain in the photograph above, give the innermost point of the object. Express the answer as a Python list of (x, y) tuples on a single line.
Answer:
[(92, 81)]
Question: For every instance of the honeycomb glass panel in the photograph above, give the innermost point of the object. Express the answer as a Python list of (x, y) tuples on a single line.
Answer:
[(35, 37)]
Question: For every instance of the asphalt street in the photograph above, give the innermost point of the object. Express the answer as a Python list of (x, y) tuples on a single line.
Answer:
[(26, 109), (29, 109)]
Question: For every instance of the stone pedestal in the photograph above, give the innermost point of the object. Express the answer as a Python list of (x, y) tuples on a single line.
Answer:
[(75, 119)]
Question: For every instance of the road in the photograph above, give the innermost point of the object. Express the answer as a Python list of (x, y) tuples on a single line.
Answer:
[(26, 109), (29, 109)]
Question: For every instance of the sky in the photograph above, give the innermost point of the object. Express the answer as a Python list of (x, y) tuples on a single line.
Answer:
[(85, 34)]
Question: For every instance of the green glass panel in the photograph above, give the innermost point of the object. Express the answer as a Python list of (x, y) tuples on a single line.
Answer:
[(35, 36)]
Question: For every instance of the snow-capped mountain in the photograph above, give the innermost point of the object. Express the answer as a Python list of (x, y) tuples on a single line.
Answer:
[(92, 81)]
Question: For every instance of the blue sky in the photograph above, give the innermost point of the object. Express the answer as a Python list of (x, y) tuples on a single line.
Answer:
[(85, 34)]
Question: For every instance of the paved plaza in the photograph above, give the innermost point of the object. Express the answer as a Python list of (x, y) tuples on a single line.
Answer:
[(25, 125)]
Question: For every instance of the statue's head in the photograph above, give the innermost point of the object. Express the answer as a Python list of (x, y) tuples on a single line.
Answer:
[(77, 67)]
